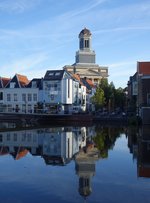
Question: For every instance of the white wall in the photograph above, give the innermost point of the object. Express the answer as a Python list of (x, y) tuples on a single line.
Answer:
[(18, 100)]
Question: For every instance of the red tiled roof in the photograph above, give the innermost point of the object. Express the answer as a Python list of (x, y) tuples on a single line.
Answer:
[(21, 154), (5, 81), (144, 68), (3, 150), (22, 79), (76, 76), (90, 82)]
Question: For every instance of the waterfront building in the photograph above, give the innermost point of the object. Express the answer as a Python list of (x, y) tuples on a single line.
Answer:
[(57, 92), (61, 92), (140, 86), (85, 60), (15, 97)]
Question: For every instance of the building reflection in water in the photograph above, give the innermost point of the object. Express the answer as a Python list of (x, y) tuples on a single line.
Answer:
[(139, 145), (54, 145), (58, 146), (143, 161)]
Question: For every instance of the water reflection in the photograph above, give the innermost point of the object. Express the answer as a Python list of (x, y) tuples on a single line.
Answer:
[(143, 161), (139, 145), (58, 146)]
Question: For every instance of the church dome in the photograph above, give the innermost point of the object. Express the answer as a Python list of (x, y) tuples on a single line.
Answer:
[(85, 31)]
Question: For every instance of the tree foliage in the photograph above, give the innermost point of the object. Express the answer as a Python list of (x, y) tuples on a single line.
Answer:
[(98, 99), (108, 96)]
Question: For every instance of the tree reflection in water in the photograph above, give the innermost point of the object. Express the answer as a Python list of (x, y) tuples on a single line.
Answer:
[(105, 139)]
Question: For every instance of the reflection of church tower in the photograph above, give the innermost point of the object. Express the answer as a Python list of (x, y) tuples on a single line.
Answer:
[(85, 169)]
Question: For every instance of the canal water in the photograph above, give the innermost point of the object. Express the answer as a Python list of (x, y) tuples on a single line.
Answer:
[(95, 164)]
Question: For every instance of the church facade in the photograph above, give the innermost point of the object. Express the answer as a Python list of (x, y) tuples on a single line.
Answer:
[(85, 60)]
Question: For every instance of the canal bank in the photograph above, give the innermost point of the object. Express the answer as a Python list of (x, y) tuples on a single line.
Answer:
[(65, 119)]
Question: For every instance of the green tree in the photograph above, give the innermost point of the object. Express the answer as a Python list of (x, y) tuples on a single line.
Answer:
[(98, 99), (120, 98), (108, 96)]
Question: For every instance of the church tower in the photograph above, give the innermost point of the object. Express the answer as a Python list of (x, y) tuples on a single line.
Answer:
[(85, 53), (85, 63)]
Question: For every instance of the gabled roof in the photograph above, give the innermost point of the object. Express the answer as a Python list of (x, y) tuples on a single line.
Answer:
[(19, 81), (54, 75), (143, 68), (4, 82), (22, 79)]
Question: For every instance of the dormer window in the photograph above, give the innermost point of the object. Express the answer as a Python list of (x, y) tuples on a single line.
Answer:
[(57, 73), (12, 85), (34, 84), (51, 74)]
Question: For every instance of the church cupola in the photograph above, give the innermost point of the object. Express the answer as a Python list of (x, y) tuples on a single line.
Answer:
[(85, 55), (85, 39)]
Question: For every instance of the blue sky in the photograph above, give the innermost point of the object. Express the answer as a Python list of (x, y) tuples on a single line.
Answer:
[(39, 35)]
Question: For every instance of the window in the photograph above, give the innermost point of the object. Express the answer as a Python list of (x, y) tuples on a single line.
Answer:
[(8, 97), (24, 97), (29, 108), (34, 84), (86, 43), (29, 137), (8, 136), (51, 74), (81, 43), (148, 98), (55, 87), (15, 137), (15, 97), (29, 97), (23, 137), (1, 138), (1, 95), (10, 109), (57, 73), (12, 84), (35, 97)]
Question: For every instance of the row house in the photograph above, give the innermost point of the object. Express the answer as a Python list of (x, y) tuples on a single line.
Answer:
[(139, 89), (15, 97), (57, 92)]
